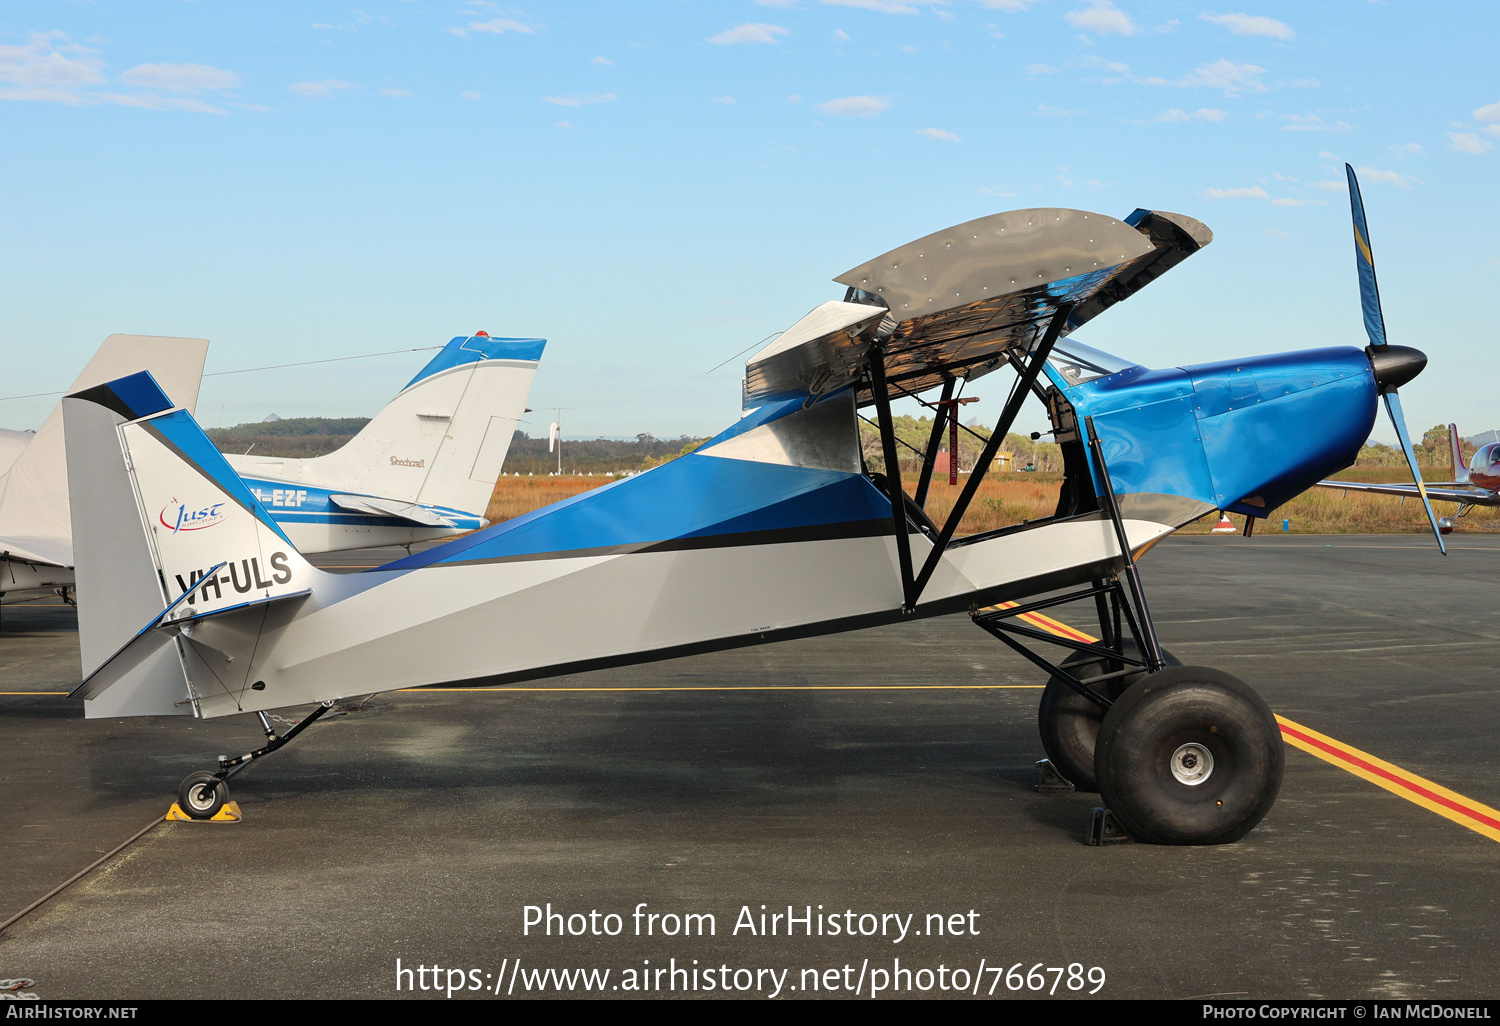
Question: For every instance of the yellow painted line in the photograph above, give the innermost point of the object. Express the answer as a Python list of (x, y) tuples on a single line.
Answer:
[(1419, 790), (1434, 797), (776, 687)]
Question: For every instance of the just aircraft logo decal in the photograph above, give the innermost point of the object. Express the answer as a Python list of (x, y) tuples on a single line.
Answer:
[(179, 517)]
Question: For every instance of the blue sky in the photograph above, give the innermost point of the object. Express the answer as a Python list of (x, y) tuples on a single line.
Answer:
[(654, 187)]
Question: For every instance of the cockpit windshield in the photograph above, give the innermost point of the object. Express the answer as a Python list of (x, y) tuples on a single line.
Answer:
[(1078, 363)]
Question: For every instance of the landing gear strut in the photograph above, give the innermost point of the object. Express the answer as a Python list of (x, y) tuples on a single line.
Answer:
[(203, 794), (1180, 754)]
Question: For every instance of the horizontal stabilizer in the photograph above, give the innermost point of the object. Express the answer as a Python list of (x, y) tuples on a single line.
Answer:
[(375, 506)]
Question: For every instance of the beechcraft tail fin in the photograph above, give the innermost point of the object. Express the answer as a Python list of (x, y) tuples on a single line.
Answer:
[(440, 442), (168, 540), (1456, 454)]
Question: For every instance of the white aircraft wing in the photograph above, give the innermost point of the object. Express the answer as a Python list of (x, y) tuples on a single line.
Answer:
[(1468, 496)]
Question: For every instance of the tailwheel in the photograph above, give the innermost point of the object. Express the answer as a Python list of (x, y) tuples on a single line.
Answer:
[(1069, 723), (1190, 755), (201, 795)]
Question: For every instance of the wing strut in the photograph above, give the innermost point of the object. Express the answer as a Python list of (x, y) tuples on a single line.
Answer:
[(1018, 394), (892, 473), (936, 439), (912, 587)]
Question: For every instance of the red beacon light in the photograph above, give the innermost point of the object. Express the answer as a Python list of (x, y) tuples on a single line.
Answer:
[(481, 334)]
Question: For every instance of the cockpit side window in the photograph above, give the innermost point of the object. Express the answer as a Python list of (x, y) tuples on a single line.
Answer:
[(1078, 363)]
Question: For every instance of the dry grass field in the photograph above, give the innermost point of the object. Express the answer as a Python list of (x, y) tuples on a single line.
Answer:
[(1006, 499)]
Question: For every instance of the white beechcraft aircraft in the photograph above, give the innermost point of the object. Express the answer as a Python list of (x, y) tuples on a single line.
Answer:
[(775, 528), (422, 469)]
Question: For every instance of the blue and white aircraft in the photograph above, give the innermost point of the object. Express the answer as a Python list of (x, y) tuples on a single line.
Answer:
[(774, 529), (423, 468)]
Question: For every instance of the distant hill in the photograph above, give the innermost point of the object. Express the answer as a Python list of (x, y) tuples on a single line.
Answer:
[(295, 437), (301, 437)]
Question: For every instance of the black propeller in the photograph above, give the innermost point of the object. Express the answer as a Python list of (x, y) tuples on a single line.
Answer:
[(1394, 366)]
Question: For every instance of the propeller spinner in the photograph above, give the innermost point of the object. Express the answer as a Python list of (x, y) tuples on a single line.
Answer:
[(1394, 366)]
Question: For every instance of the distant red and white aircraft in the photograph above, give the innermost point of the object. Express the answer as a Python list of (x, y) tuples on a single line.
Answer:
[(1475, 483)]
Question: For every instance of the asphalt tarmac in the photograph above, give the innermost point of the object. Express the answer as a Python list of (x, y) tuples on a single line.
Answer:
[(420, 826)]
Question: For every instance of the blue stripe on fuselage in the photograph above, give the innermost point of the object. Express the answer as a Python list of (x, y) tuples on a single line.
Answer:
[(691, 497)]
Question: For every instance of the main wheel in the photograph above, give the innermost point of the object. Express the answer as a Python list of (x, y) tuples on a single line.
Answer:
[(201, 795), (1189, 756), (1069, 723)]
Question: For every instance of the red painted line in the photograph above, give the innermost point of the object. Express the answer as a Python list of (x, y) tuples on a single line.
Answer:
[(1447, 803)]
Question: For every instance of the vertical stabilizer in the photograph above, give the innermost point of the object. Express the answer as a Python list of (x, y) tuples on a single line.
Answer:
[(441, 441), (170, 540), (1456, 455), (34, 491)]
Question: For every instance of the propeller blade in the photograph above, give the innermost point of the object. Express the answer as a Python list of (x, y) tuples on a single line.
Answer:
[(1364, 259), (1398, 419)]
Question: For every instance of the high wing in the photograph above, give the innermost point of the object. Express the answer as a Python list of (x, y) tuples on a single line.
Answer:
[(1469, 496), (958, 302)]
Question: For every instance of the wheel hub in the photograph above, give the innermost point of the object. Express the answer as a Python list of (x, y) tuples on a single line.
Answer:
[(1192, 764)]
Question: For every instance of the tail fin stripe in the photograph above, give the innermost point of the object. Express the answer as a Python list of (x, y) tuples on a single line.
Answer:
[(193, 449), (133, 397)]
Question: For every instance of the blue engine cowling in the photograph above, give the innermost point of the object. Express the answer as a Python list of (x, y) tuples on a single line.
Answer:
[(1243, 435)]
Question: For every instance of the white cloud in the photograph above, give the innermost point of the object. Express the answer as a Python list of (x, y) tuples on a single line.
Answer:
[(1201, 114), (1305, 83), (777, 3), (567, 125), (41, 64), (580, 101), (754, 32), (1040, 69), (399, 94), (1287, 201), (1331, 185), (1281, 177), (148, 102), (601, 60), (1102, 18), (1467, 142), (469, 95), (1492, 130), (1242, 192), (495, 26), (938, 133), (180, 78), (1410, 149), (727, 100), (318, 90), (1312, 123), (840, 36), (1251, 25), (994, 190), (794, 98), (1221, 74), (1090, 60), (855, 106), (1008, 6), (1379, 177), (1489, 112), (884, 6)]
